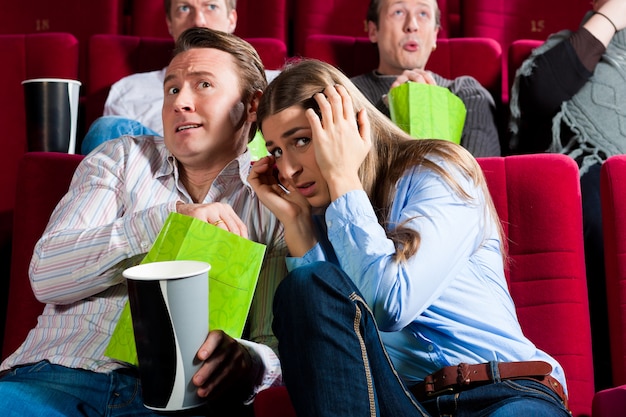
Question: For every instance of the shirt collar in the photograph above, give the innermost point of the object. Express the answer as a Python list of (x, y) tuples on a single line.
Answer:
[(239, 166)]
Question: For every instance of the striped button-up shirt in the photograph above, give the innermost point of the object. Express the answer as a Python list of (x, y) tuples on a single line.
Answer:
[(116, 205)]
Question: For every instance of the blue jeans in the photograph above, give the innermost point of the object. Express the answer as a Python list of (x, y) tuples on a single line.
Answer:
[(46, 390), (111, 127), (335, 364)]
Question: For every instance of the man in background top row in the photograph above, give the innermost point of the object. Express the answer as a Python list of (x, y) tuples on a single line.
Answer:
[(134, 102), (140, 96), (405, 32)]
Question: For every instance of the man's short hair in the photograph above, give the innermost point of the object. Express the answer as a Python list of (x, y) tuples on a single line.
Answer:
[(230, 5), (373, 12)]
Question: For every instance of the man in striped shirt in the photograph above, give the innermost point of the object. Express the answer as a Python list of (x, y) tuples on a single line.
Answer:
[(117, 203)]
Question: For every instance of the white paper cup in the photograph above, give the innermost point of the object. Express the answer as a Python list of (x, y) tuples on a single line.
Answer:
[(169, 303), (51, 106)]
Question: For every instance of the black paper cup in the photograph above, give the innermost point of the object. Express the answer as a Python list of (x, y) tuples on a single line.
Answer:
[(169, 304), (51, 106)]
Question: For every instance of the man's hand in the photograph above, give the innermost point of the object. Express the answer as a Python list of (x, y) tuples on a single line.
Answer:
[(415, 75), (218, 214), (227, 369)]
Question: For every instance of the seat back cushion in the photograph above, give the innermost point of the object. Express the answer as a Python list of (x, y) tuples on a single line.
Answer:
[(612, 186), (43, 179)]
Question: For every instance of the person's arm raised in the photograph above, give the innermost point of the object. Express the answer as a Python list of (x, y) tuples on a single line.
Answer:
[(607, 20)]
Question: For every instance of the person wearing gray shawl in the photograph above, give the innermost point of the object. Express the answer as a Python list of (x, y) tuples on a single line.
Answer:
[(569, 97)]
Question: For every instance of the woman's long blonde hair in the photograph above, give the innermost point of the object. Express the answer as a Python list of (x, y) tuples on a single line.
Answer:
[(393, 151)]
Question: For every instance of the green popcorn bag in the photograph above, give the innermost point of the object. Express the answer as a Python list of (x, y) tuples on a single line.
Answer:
[(257, 147), (235, 266), (427, 111)]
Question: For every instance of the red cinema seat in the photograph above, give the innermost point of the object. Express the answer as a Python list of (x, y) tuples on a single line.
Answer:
[(78, 17), (517, 53), (43, 179), (112, 57), (612, 187), (609, 402), (543, 223), (327, 17), (455, 18), (546, 273), (353, 55), (612, 401), (255, 19), (509, 20), (31, 56)]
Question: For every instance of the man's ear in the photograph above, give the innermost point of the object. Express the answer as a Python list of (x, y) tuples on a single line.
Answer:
[(251, 113), (232, 19), (254, 105), (372, 31)]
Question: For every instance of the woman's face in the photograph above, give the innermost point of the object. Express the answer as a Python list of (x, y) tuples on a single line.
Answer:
[(288, 138)]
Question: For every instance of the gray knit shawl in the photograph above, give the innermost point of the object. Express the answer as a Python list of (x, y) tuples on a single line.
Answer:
[(596, 114)]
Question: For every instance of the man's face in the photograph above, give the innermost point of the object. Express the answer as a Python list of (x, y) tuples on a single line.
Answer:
[(406, 34), (204, 115), (212, 14)]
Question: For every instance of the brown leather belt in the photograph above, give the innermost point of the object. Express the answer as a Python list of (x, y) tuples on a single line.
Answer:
[(451, 379)]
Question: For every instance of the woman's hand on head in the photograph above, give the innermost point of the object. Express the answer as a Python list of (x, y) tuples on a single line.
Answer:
[(341, 140)]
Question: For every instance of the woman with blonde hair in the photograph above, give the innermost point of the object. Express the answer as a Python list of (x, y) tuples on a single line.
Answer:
[(396, 265)]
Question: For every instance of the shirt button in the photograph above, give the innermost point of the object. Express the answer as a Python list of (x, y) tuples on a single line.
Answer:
[(431, 348), (144, 245)]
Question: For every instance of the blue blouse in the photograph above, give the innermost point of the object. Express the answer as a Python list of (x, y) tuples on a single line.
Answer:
[(448, 303)]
